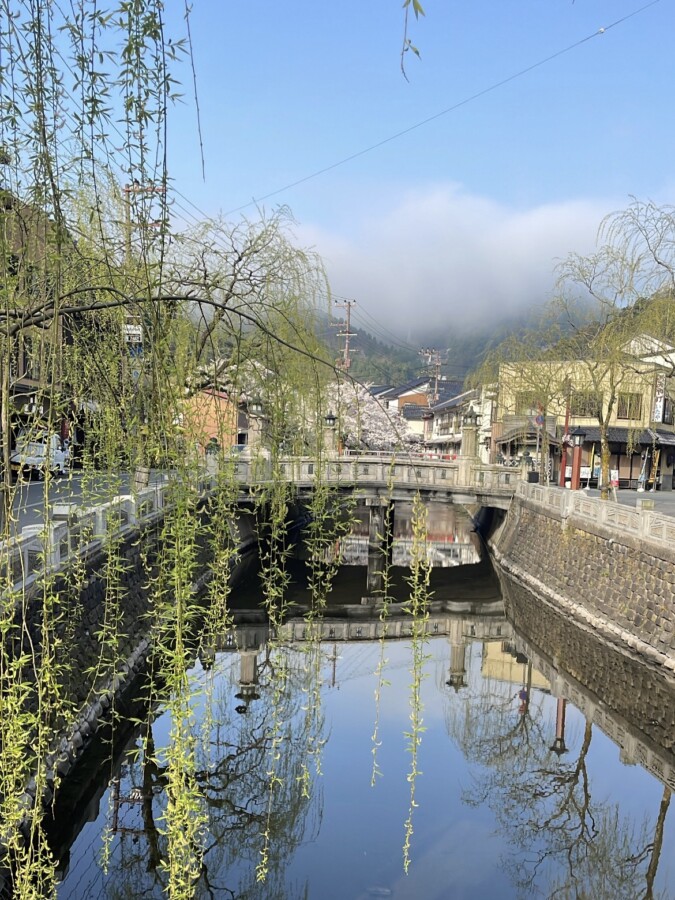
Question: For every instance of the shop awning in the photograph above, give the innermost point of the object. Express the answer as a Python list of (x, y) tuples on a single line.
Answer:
[(643, 438)]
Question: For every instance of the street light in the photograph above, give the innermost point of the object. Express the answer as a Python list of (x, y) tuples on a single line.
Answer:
[(470, 419), (559, 747), (578, 438), (255, 406), (330, 420)]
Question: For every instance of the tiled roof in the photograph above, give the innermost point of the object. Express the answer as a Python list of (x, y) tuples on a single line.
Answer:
[(643, 438), (414, 412)]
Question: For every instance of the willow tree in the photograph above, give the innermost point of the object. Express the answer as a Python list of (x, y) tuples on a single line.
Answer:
[(605, 335), (616, 318)]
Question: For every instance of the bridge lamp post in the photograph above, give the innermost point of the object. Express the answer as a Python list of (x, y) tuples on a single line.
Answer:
[(559, 747), (330, 420), (469, 433), (578, 437), (255, 423)]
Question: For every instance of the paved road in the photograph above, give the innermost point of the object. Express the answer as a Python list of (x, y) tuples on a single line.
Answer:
[(29, 500), (664, 501)]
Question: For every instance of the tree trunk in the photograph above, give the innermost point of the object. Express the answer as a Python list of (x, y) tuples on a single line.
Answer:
[(605, 479)]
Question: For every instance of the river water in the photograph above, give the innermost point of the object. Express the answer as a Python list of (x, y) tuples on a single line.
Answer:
[(506, 754)]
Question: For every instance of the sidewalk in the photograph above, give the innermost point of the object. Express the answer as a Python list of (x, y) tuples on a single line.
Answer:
[(664, 501)]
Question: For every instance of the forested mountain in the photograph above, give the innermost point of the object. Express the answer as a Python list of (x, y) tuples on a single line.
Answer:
[(394, 362)]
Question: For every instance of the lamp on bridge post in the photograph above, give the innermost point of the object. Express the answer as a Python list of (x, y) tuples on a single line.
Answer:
[(578, 437), (457, 673), (330, 420), (558, 745), (255, 423), (469, 433), (248, 680)]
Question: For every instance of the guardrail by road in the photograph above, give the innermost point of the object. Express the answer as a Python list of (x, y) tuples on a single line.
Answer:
[(640, 523)]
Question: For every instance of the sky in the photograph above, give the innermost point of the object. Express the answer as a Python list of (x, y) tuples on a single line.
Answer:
[(522, 124)]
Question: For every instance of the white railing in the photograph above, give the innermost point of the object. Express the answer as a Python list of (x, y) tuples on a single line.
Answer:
[(642, 524), (71, 529)]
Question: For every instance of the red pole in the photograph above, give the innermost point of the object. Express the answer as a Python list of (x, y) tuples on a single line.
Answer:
[(563, 446), (576, 468)]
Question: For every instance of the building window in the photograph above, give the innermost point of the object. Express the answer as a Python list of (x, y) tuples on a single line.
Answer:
[(629, 406), (527, 403), (585, 404)]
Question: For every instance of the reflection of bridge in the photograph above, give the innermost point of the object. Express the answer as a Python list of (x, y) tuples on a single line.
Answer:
[(442, 554)]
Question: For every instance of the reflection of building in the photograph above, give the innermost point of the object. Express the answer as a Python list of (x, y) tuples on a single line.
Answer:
[(450, 539), (501, 663)]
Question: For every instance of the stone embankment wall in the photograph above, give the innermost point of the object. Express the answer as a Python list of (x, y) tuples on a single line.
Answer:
[(611, 568)]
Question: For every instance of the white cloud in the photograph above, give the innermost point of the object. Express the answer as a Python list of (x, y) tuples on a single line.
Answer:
[(440, 255)]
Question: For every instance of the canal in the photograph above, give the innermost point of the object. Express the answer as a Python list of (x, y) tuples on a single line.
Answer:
[(499, 751)]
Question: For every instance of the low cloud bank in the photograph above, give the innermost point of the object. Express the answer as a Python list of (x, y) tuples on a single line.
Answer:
[(441, 257)]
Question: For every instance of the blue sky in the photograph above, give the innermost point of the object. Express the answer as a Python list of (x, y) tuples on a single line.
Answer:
[(462, 217)]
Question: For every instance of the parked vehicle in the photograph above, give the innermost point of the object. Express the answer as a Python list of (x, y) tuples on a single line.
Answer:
[(40, 452)]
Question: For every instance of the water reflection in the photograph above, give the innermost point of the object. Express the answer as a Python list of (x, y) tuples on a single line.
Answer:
[(450, 539), (522, 793)]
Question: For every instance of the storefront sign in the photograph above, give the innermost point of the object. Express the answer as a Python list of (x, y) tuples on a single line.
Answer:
[(659, 398)]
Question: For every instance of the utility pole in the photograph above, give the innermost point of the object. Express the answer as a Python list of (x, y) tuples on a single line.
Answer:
[(344, 362), (135, 328), (432, 359)]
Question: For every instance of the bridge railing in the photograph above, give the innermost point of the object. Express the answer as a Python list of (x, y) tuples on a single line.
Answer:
[(73, 528), (382, 470)]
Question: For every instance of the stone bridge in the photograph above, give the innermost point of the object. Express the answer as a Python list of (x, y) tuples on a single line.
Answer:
[(379, 478), (463, 480)]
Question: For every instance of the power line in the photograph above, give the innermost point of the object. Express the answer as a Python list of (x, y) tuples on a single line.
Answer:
[(444, 112)]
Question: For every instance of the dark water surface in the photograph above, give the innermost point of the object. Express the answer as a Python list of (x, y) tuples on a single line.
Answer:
[(545, 761)]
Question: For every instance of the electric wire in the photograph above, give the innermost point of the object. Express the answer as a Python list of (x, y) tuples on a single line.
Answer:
[(444, 112)]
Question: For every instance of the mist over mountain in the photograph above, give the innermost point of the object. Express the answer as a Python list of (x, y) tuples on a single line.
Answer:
[(459, 350)]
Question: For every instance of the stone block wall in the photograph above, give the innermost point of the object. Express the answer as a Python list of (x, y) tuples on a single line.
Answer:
[(621, 586)]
